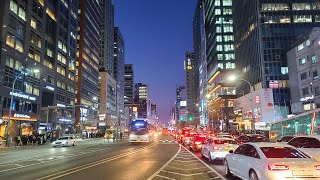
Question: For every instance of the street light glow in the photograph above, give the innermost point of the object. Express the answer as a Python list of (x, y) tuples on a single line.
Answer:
[(232, 78), (208, 96), (36, 70)]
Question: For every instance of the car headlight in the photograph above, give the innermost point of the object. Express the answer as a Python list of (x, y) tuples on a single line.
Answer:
[(131, 135), (146, 136)]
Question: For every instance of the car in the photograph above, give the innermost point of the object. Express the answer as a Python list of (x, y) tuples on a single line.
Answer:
[(252, 138), (272, 161), (218, 148), (64, 141), (308, 144), (186, 139), (285, 139), (197, 141)]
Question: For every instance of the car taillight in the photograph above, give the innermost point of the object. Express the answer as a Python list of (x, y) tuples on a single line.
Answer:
[(276, 167), (317, 167), (197, 142), (216, 148)]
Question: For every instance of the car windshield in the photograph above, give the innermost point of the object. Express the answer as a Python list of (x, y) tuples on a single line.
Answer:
[(63, 138), (286, 139), (224, 142), (282, 152)]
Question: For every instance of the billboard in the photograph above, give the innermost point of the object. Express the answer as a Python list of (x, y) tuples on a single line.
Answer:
[(183, 103)]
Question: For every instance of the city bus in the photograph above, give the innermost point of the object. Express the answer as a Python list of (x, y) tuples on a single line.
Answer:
[(307, 123), (140, 131)]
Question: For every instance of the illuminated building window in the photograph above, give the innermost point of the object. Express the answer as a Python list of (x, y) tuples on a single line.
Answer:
[(18, 10), (50, 14), (302, 61), (61, 70), (217, 11), (41, 2), (217, 2), (230, 65), (10, 40), (47, 63), (28, 88), (71, 77), (275, 7), (301, 6), (36, 91), (34, 54), (62, 46), (35, 39), (62, 58)]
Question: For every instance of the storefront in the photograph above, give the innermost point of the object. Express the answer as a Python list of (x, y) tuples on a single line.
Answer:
[(20, 123)]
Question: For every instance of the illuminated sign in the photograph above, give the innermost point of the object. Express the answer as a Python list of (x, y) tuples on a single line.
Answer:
[(307, 98), (50, 88), (24, 96), (64, 120), (183, 103), (273, 84), (21, 116), (61, 105), (257, 99), (135, 109)]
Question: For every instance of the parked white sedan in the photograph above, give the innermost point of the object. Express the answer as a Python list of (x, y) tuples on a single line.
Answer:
[(218, 148), (272, 161), (64, 141), (307, 144)]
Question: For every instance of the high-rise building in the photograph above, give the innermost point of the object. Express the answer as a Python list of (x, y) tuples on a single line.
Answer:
[(220, 53), (38, 52), (107, 35), (263, 32), (119, 74), (181, 110), (303, 70), (199, 47), (95, 51), (142, 99), (190, 68), (128, 85)]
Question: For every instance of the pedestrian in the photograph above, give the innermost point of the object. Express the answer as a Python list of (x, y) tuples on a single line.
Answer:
[(19, 141), (34, 140), (121, 135)]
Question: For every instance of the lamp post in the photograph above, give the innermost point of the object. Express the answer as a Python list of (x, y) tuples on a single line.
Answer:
[(232, 78), (7, 127)]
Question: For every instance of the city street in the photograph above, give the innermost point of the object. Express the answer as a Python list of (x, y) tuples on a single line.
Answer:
[(96, 159)]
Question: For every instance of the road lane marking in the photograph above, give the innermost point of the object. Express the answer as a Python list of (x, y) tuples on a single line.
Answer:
[(70, 156), (218, 174), (186, 175), (164, 177), (19, 165), (92, 164), (185, 169), (187, 160), (157, 172)]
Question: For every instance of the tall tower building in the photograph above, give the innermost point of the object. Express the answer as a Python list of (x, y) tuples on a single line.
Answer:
[(199, 47), (220, 53), (190, 69), (142, 99), (128, 85), (119, 72), (37, 56), (95, 51), (263, 32)]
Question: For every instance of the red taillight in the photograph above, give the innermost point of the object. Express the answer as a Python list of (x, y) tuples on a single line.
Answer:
[(276, 167), (317, 167), (197, 142)]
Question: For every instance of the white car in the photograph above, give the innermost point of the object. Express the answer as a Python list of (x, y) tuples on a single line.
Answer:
[(218, 148), (270, 161), (64, 141), (307, 144)]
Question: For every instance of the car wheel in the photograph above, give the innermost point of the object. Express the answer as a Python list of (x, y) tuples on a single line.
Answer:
[(53, 146), (226, 169), (253, 175), (73, 144)]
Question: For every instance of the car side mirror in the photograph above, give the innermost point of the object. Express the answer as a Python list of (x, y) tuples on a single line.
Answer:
[(231, 151)]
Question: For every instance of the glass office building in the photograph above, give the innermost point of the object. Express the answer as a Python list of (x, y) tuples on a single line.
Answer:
[(263, 32)]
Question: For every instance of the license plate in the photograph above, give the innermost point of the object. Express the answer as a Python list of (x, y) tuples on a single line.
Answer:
[(138, 140), (302, 173), (228, 149)]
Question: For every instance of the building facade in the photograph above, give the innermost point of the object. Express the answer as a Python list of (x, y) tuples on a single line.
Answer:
[(38, 53), (142, 99), (119, 72), (199, 47), (220, 53), (108, 115), (263, 32), (181, 111), (128, 90), (303, 65), (190, 68)]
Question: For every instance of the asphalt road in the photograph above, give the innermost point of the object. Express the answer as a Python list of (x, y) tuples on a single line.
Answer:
[(97, 159)]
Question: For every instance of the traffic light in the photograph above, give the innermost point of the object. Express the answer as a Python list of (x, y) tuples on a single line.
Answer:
[(190, 118), (181, 118)]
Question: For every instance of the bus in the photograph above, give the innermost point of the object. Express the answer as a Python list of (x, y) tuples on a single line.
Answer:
[(140, 131), (307, 123)]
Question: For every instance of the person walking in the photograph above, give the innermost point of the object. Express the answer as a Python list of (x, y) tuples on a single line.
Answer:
[(121, 135)]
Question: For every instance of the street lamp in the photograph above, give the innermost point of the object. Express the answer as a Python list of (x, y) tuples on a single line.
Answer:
[(7, 127), (233, 78)]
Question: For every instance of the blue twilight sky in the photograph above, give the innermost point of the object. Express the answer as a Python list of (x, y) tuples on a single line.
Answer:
[(157, 34)]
